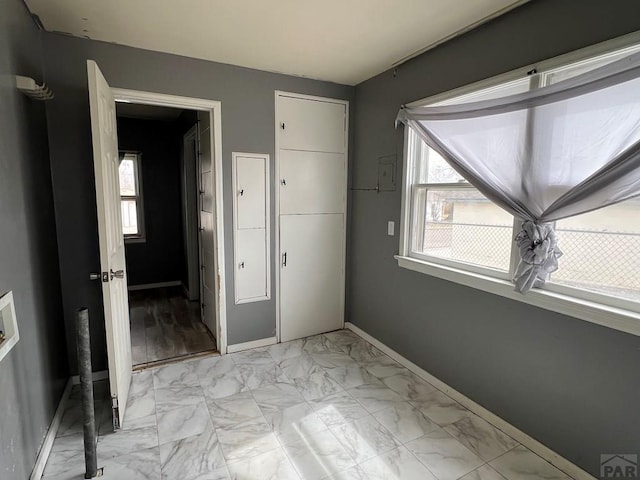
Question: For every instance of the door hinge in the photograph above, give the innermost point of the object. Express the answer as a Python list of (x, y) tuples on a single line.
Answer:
[(116, 413)]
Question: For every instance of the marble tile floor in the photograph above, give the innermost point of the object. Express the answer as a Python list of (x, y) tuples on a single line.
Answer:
[(165, 325), (329, 407)]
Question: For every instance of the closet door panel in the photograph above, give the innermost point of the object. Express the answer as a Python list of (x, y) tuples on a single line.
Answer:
[(311, 274), (312, 182), (250, 192), (311, 125), (251, 264)]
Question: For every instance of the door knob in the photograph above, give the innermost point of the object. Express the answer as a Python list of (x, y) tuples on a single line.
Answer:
[(117, 274)]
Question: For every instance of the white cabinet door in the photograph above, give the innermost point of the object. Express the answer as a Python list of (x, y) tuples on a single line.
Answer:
[(112, 256), (251, 188), (312, 182), (251, 268), (311, 274), (252, 236), (316, 126)]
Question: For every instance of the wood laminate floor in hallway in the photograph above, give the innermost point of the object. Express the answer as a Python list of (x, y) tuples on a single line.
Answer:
[(166, 325)]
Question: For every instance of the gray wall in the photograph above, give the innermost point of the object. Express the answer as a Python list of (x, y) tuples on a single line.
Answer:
[(160, 258), (34, 373), (247, 98), (570, 384)]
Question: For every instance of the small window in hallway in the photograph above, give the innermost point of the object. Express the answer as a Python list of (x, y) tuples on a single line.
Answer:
[(131, 197)]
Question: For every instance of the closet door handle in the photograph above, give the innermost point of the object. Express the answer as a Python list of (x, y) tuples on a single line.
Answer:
[(284, 259)]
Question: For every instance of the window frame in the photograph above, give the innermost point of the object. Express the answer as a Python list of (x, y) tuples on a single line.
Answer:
[(600, 308), (141, 236), (411, 204)]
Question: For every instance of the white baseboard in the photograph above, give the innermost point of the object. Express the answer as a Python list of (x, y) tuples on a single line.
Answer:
[(263, 342), (45, 450), (149, 286), (97, 376), (532, 444)]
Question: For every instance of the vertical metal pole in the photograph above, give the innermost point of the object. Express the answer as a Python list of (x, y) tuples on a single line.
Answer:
[(86, 386)]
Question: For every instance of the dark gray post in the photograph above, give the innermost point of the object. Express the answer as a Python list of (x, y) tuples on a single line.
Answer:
[(86, 386)]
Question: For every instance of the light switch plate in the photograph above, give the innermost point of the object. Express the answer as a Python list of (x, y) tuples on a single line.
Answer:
[(391, 226)]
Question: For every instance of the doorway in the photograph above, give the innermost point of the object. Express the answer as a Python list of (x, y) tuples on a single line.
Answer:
[(113, 275), (166, 214), (205, 173)]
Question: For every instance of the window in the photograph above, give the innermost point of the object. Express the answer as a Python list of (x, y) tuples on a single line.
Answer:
[(452, 230), (131, 197), (450, 218)]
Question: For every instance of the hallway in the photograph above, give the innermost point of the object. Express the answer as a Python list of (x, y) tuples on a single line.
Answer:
[(165, 325)]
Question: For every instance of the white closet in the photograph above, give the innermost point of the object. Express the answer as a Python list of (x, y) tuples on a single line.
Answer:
[(311, 171), (251, 227)]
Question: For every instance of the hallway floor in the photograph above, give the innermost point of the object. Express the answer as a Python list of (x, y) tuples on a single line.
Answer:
[(165, 325), (325, 407)]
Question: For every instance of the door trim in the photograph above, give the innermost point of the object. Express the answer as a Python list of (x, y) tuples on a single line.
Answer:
[(214, 108), (280, 93)]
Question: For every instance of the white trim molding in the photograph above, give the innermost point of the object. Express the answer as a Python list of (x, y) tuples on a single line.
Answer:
[(263, 342), (47, 445), (532, 444), (214, 107)]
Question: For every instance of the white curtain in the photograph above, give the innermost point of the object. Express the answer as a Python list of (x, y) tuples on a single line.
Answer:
[(546, 154)]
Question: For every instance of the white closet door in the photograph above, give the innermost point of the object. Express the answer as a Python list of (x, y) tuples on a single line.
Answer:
[(251, 187), (312, 182), (312, 125), (251, 272), (311, 274), (251, 227)]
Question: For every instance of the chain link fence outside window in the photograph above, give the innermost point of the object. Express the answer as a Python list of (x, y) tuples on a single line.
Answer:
[(603, 261)]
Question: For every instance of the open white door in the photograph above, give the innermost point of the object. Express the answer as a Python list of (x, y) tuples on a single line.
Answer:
[(208, 292), (112, 260)]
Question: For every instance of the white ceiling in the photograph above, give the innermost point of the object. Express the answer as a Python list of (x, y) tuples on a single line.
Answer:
[(343, 41)]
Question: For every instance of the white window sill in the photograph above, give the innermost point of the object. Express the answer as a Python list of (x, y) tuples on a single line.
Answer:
[(128, 240), (617, 318)]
